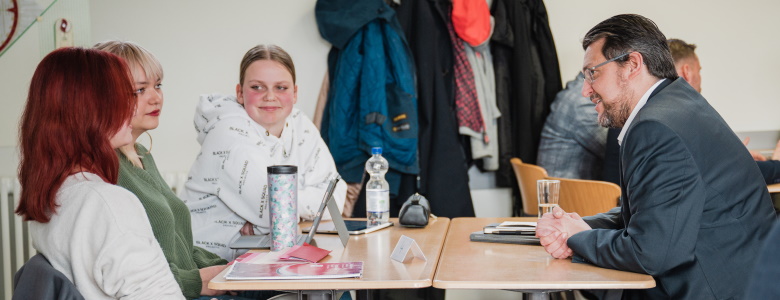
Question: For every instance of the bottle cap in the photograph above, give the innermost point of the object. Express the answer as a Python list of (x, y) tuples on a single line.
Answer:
[(376, 150), (282, 169)]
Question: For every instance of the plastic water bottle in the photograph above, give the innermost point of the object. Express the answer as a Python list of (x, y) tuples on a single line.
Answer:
[(377, 189)]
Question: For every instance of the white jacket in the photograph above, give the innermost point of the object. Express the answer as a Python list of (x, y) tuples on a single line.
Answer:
[(227, 184), (101, 239)]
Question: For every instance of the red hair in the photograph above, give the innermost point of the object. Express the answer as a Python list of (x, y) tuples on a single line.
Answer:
[(79, 99)]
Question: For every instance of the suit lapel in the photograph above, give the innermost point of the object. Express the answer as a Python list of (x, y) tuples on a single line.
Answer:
[(624, 203), (625, 207)]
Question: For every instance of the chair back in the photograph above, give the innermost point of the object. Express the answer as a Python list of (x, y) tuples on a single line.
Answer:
[(527, 175), (37, 279), (587, 197)]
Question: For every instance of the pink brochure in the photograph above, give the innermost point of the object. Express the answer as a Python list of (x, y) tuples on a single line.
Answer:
[(246, 257)]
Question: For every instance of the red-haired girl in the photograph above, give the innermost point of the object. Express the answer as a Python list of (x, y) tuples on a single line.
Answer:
[(78, 111)]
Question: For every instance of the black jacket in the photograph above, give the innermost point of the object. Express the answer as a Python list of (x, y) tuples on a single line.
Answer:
[(443, 161), (37, 279), (527, 79)]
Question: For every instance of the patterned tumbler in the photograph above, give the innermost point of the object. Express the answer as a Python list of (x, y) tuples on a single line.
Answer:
[(283, 192)]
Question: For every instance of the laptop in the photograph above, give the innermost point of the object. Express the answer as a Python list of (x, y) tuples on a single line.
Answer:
[(264, 241)]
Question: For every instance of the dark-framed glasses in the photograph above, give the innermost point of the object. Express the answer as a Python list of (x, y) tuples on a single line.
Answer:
[(589, 72)]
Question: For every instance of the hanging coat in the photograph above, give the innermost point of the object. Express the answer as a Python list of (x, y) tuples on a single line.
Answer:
[(371, 99), (443, 161), (527, 79)]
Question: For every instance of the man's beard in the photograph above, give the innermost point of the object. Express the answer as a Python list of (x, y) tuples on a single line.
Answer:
[(615, 115)]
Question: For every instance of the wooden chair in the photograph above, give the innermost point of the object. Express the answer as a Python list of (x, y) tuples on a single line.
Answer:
[(527, 175), (587, 197)]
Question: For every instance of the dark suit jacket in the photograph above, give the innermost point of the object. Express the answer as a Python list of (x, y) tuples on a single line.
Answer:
[(763, 283), (695, 207), (37, 279), (770, 169)]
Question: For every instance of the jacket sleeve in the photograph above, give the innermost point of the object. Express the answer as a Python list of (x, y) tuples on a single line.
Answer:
[(763, 282), (606, 220), (243, 183), (188, 279), (130, 263), (204, 258), (665, 196), (770, 170)]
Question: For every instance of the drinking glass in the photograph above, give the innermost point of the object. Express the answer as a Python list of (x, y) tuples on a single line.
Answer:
[(547, 194)]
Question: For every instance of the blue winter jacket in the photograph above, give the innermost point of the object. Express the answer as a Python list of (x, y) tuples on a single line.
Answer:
[(372, 98)]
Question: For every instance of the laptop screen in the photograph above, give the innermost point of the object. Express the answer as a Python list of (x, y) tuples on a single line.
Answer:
[(321, 211)]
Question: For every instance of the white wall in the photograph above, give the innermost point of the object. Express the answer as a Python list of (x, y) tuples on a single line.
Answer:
[(15, 77), (200, 44), (18, 62)]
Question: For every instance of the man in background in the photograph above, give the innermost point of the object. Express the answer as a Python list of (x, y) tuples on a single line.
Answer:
[(686, 62), (694, 209), (573, 143)]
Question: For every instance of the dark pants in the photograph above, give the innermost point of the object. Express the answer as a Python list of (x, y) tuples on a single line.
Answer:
[(406, 294)]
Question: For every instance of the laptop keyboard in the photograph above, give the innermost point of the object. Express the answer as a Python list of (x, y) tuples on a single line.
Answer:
[(266, 241), (260, 241)]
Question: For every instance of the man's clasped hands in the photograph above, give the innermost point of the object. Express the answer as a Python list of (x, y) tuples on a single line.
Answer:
[(554, 229)]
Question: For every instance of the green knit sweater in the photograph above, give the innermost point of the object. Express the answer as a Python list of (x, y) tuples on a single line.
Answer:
[(170, 220)]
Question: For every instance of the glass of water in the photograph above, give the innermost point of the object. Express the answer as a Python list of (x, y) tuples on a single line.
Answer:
[(547, 194)]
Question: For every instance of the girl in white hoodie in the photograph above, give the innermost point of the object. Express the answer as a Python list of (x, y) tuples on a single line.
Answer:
[(240, 137)]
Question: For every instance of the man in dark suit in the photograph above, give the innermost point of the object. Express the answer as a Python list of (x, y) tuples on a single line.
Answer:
[(694, 207), (686, 62)]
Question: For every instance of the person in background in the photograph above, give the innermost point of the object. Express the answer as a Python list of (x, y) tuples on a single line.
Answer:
[(691, 217), (192, 266), (78, 111), (686, 62), (572, 144), (240, 137), (770, 167)]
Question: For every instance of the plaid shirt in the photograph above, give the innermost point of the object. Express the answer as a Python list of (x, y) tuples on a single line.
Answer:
[(466, 102), (573, 143)]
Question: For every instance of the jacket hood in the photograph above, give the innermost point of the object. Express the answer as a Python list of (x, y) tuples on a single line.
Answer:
[(213, 108), (339, 20)]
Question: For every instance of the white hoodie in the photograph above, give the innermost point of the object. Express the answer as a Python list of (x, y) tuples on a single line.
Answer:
[(227, 184)]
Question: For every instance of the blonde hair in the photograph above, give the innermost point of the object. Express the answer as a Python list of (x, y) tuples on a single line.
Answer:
[(266, 52), (134, 55)]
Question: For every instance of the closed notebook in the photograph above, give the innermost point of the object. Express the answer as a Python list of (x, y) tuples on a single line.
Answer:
[(524, 228), (305, 252), (480, 236)]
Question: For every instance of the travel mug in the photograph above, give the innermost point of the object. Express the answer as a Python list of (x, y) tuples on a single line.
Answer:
[(283, 201)]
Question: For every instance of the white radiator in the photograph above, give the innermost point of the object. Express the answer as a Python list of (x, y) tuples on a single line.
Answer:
[(14, 236), (16, 244)]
